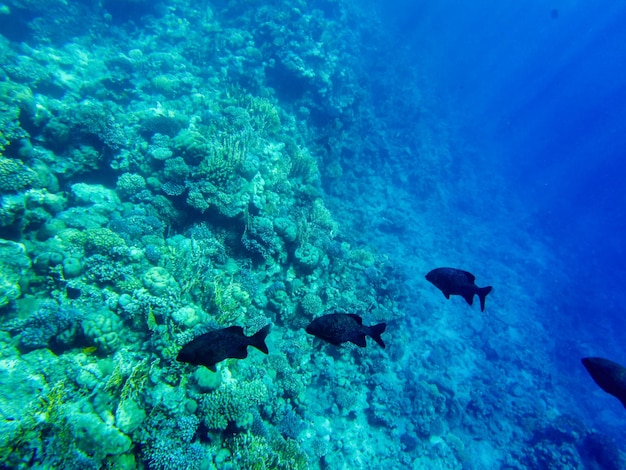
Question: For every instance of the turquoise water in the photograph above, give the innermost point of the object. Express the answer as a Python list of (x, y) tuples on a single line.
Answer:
[(169, 169)]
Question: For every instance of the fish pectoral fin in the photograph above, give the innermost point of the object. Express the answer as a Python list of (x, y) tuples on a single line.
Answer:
[(360, 341)]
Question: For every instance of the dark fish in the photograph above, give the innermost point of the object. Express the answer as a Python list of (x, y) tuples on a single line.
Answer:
[(337, 328), (452, 281), (609, 375), (215, 346)]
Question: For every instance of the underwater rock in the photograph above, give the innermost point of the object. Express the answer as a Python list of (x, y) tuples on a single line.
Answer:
[(337, 328), (95, 195), (453, 281), (72, 267), (21, 385), (286, 229), (206, 380), (46, 260), (96, 437), (12, 208), (14, 265), (129, 416)]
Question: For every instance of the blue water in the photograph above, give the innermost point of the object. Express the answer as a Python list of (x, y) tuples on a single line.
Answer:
[(171, 168), (538, 91)]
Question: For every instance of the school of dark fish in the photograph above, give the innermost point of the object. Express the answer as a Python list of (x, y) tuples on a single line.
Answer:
[(336, 328)]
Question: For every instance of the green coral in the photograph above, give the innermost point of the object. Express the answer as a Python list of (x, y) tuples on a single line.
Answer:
[(103, 241), (13, 98), (61, 432), (307, 257), (260, 453), (225, 158), (14, 264), (176, 170), (264, 116), (192, 145), (231, 300), (286, 228), (15, 176), (159, 281), (103, 329), (129, 184), (303, 166), (233, 403), (311, 305), (45, 415)]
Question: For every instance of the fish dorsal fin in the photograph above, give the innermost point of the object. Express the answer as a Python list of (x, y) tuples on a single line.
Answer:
[(357, 318), (469, 276)]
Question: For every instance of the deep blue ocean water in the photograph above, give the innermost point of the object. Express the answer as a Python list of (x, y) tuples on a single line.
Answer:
[(413, 135), (537, 90)]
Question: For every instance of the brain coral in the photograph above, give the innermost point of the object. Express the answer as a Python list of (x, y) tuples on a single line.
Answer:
[(102, 327), (158, 280)]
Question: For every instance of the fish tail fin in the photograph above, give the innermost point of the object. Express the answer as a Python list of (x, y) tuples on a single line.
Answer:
[(482, 293), (376, 331), (258, 339)]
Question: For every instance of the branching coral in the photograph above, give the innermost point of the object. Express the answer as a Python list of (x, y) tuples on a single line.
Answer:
[(232, 404), (52, 325), (224, 160), (259, 453)]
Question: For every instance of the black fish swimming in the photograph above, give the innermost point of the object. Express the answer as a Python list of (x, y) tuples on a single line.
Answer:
[(215, 346), (452, 281), (609, 375), (337, 328)]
